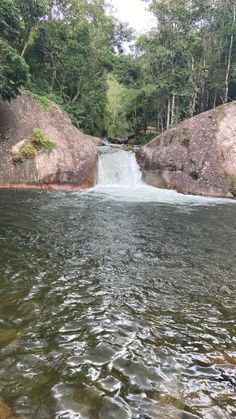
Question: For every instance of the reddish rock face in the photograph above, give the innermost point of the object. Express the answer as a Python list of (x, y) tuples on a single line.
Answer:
[(197, 157), (71, 164)]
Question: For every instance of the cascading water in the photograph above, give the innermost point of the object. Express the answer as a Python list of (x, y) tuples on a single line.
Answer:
[(118, 168), (120, 178)]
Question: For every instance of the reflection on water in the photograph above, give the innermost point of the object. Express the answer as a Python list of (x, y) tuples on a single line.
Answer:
[(117, 307)]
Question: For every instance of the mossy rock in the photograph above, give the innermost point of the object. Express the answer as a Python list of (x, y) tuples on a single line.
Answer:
[(35, 145), (7, 336)]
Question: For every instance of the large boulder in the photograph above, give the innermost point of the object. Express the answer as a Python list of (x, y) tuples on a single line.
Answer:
[(197, 157), (70, 163)]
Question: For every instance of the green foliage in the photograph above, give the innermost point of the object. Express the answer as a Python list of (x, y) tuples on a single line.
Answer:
[(187, 63), (127, 70), (28, 151), (46, 103), (18, 159), (9, 20), (70, 55), (13, 69), (121, 117), (41, 141), (38, 136), (116, 122), (75, 58), (13, 72), (31, 11), (34, 146)]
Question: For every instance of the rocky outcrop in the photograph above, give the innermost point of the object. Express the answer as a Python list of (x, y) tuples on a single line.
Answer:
[(70, 163), (197, 157)]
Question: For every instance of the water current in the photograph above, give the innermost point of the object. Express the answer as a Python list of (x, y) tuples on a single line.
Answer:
[(117, 302)]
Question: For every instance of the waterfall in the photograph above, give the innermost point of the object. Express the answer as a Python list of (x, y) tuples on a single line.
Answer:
[(119, 178), (118, 168)]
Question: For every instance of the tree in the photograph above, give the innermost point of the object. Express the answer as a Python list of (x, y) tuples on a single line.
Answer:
[(70, 54), (13, 69), (188, 60), (31, 13)]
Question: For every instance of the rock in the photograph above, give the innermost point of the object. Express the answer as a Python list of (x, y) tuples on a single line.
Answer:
[(6, 412), (197, 157), (127, 147), (71, 164), (120, 141), (96, 141)]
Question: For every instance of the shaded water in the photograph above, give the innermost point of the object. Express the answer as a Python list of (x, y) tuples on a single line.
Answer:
[(117, 303)]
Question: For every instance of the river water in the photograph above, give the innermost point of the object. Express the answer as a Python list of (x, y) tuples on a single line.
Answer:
[(118, 302)]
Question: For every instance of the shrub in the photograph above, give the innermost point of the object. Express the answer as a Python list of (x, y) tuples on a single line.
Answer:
[(28, 150), (31, 148), (38, 136), (18, 159), (41, 140), (48, 145)]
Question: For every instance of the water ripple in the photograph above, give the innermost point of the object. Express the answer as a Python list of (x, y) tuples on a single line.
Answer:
[(116, 311)]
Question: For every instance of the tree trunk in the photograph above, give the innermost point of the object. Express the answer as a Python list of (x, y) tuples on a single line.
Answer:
[(24, 49), (27, 37), (214, 101), (193, 104), (193, 100), (168, 115), (230, 56), (77, 95), (202, 106), (172, 110)]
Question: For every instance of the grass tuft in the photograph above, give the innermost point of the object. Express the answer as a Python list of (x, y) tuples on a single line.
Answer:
[(34, 146)]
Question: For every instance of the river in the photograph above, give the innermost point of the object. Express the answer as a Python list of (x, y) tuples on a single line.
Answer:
[(118, 302)]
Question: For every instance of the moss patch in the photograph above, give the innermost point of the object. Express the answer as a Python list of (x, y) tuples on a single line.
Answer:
[(46, 103), (28, 151), (232, 188), (34, 146), (219, 114), (17, 159)]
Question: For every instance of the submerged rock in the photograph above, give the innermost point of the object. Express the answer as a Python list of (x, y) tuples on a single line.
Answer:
[(197, 157), (64, 159), (6, 412)]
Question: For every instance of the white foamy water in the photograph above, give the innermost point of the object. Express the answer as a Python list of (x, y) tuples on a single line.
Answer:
[(118, 168)]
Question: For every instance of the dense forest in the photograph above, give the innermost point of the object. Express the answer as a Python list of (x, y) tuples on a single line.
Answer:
[(74, 53)]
